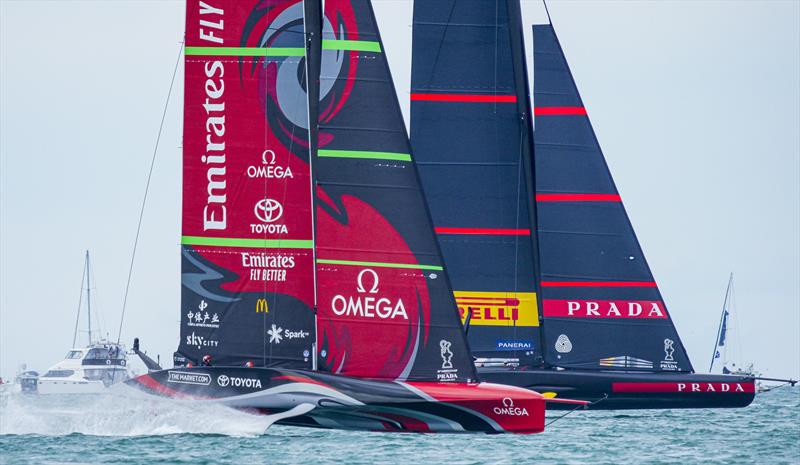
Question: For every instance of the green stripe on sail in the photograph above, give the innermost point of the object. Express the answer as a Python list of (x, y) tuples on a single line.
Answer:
[(364, 154), (379, 264), (357, 45), (247, 51), (254, 243)]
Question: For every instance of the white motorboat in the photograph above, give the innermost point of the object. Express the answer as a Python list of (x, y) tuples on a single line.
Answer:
[(87, 370), (84, 370)]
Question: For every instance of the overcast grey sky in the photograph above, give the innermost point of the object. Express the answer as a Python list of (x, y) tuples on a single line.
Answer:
[(696, 105)]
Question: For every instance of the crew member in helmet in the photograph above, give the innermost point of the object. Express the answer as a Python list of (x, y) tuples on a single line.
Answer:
[(206, 361)]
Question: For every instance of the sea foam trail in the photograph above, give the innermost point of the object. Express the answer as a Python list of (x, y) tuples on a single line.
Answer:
[(122, 411)]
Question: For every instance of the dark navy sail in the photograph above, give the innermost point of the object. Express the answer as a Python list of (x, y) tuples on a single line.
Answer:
[(471, 144), (602, 309), (385, 306)]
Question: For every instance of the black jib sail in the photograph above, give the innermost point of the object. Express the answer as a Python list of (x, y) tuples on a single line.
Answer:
[(602, 308), (471, 140)]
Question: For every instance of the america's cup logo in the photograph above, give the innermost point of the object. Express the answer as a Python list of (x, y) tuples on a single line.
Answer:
[(668, 349), (447, 354)]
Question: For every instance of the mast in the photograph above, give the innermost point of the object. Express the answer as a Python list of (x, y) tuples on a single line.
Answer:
[(522, 90), (88, 299), (312, 30), (721, 322), (80, 302)]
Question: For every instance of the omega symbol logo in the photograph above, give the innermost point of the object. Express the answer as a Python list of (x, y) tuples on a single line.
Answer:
[(268, 157), (508, 402), (361, 288), (268, 210)]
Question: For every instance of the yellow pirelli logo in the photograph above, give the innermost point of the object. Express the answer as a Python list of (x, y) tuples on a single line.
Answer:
[(498, 308)]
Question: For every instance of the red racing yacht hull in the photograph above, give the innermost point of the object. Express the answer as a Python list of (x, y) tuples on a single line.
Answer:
[(335, 401)]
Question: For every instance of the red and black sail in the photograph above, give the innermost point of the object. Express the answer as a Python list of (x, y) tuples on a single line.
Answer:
[(247, 265), (602, 308), (470, 130), (386, 308), (280, 171)]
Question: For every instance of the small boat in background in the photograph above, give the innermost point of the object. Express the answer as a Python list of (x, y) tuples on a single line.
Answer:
[(721, 344), (87, 370), (84, 370), (726, 366)]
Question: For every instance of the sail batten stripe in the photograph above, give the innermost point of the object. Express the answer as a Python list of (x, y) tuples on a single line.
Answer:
[(246, 242), (246, 51), (578, 198), (363, 154), (354, 45), (473, 98), (483, 231), (598, 284), (415, 266), (558, 111)]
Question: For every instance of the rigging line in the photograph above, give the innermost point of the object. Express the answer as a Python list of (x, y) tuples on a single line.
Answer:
[(546, 10), (734, 311), (146, 189), (605, 396), (100, 321), (80, 301), (441, 42)]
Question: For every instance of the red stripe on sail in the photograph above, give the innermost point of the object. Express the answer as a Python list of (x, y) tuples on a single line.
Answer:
[(484, 231), (599, 284), (578, 198), (558, 111), (475, 98)]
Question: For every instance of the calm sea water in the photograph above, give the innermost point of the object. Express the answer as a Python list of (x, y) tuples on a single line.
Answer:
[(125, 427)]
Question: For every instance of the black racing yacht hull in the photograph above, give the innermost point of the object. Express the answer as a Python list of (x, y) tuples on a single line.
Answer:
[(314, 399), (630, 390)]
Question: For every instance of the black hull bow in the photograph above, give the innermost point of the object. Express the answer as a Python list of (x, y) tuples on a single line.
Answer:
[(630, 390)]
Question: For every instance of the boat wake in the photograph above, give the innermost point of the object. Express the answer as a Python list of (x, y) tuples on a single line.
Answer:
[(122, 411)]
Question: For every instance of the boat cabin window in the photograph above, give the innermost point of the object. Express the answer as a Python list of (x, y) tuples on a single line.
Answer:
[(73, 354), (97, 353), (92, 375), (100, 374), (59, 373)]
